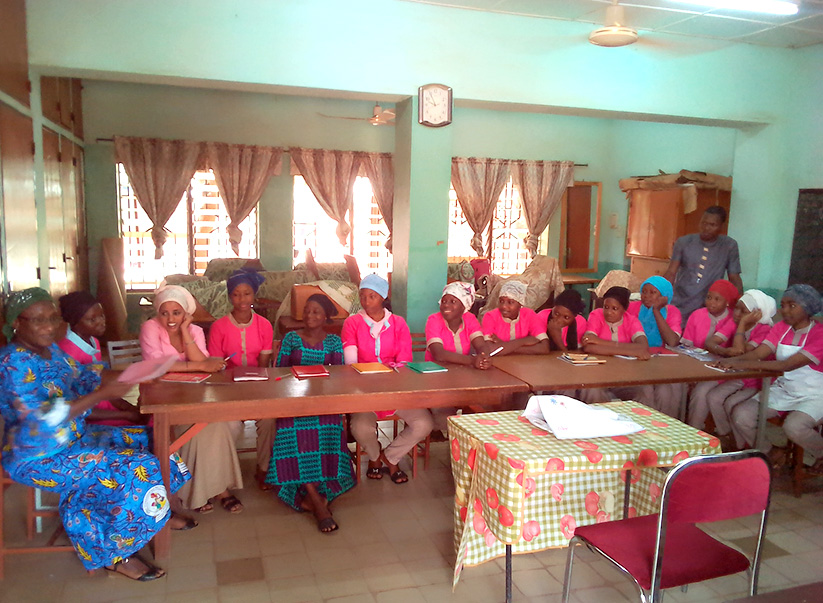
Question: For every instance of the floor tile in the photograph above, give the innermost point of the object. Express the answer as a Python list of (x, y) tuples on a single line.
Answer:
[(240, 570)]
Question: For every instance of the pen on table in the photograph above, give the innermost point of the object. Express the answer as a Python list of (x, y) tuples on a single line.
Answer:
[(497, 351)]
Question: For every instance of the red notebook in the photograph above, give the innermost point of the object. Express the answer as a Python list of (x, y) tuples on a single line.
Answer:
[(304, 372)]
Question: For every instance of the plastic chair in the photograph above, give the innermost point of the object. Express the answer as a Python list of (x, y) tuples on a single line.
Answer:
[(702, 489), (125, 352)]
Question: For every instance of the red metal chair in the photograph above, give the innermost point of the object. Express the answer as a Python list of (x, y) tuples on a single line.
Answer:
[(668, 550)]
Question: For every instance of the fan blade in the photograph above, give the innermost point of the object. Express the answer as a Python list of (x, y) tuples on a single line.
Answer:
[(346, 117)]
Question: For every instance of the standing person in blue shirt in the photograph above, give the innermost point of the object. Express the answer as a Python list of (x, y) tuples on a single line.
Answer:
[(700, 259)]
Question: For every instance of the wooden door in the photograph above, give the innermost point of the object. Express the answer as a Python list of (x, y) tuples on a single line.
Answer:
[(82, 255), (807, 246), (655, 221), (77, 107), (50, 98), (68, 189), (578, 227), (54, 213), (19, 210), (14, 57)]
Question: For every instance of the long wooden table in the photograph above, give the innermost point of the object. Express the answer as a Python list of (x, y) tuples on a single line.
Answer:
[(546, 373), (345, 390)]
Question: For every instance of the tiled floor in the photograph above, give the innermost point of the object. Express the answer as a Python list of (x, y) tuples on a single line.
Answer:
[(394, 545)]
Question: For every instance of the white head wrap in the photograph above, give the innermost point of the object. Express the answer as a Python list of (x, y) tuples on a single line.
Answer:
[(462, 291), (514, 290), (174, 293), (755, 299)]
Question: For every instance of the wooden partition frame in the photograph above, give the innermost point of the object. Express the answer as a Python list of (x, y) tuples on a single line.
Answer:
[(564, 219)]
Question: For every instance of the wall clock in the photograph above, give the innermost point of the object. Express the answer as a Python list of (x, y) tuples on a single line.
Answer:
[(434, 105)]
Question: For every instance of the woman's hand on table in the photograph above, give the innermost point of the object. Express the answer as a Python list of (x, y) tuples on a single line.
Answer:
[(482, 361), (212, 365), (643, 355)]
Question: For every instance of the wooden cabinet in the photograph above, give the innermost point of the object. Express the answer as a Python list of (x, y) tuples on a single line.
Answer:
[(61, 99), (14, 57), (19, 210), (657, 215)]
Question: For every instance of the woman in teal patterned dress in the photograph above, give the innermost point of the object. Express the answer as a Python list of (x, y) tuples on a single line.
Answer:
[(310, 460), (112, 497)]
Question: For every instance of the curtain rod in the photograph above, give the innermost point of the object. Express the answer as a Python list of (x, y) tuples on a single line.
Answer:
[(286, 150)]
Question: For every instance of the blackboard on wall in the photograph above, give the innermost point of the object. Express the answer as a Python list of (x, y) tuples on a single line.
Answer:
[(807, 248)]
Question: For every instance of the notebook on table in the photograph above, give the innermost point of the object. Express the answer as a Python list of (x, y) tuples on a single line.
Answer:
[(185, 377), (250, 373), (370, 367), (581, 359), (305, 372), (426, 367)]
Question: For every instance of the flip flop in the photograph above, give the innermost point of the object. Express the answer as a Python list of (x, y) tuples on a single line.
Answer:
[(327, 525), (375, 472), (152, 571), (203, 510)]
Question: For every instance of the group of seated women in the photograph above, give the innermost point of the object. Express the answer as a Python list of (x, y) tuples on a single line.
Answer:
[(66, 432)]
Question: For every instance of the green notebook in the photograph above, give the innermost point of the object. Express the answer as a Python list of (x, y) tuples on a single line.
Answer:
[(426, 367)]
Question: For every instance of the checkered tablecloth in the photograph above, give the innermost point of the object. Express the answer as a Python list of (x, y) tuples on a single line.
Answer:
[(519, 485)]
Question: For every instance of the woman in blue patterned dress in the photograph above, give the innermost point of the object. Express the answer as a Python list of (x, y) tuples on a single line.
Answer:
[(112, 497), (310, 460)]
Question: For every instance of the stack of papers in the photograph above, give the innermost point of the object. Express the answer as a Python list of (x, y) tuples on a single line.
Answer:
[(568, 418), (581, 359), (698, 353)]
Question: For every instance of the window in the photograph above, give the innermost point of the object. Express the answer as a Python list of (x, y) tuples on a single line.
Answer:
[(314, 229), (197, 233), (508, 230)]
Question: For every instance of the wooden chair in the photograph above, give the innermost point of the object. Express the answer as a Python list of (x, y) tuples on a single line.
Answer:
[(794, 454), (125, 352), (418, 345), (421, 447)]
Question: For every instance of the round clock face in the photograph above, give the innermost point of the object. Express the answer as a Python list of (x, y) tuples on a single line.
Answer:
[(435, 106)]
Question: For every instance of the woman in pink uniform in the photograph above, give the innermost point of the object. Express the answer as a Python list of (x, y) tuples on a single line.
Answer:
[(713, 319), (245, 338), (374, 334), (661, 322), (564, 324), (87, 322), (611, 331), (211, 455), (513, 328)]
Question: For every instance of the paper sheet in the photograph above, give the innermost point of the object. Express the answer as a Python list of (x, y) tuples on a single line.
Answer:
[(568, 418)]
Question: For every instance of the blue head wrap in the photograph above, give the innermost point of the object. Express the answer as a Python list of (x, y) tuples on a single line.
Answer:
[(245, 275), (646, 315)]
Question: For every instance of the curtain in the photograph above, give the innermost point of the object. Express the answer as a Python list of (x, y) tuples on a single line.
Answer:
[(541, 184), (478, 184), (242, 173), (159, 171), (330, 175), (380, 172)]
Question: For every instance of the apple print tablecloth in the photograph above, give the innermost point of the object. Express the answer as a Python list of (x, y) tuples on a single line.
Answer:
[(519, 485)]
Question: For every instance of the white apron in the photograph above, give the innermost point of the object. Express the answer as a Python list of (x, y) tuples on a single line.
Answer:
[(800, 389)]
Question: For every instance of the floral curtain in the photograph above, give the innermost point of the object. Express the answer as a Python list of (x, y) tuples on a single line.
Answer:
[(159, 171), (330, 175), (478, 184), (242, 173), (380, 172), (541, 184)]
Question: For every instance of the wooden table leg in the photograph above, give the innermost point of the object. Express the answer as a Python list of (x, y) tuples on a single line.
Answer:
[(162, 541), (760, 437)]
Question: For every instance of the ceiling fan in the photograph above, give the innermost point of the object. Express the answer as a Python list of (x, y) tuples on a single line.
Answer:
[(380, 116)]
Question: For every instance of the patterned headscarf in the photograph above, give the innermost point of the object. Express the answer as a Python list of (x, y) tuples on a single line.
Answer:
[(727, 290), (174, 293), (462, 291), (245, 275), (514, 290), (18, 302), (755, 299), (807, 296), (73, 307), (377, 284)]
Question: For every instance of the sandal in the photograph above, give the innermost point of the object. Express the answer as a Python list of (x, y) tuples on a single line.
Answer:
[(260, 476), (327, 525), (399, 477), (203, 510), (188, 525), (152, 571), (375, 472), (778, 457), (231, 504)]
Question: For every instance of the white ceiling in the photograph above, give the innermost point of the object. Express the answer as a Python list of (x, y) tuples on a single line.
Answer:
[(663, 16)]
